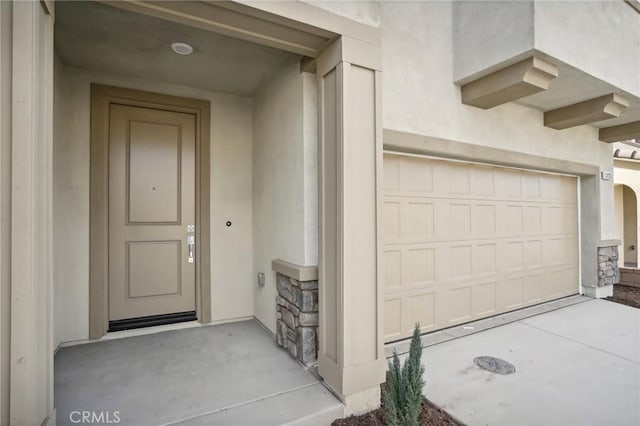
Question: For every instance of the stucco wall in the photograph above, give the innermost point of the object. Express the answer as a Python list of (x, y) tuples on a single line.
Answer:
[(231, 198), (591, 36), (488, 33), (599, 37), (284, 180), (419, 96), (365, 12), (626, 176)]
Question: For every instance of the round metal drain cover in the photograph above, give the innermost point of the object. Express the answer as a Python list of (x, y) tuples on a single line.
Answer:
[(494, 365)]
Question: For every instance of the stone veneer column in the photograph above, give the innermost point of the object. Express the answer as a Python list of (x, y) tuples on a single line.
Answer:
[(608, 272), (297, 310)]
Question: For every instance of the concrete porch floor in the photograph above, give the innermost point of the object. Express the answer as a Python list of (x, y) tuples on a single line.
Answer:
[(231, 374), (577, 365)]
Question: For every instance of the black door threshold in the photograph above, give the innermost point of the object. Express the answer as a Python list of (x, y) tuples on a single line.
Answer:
[(150, 321)]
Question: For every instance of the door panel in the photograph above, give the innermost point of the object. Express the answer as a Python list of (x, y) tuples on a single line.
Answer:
[(151, 202), (466, 241), (154, 173)]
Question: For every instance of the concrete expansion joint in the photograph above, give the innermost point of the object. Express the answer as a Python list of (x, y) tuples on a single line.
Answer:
[(581, 343), (240, 404)]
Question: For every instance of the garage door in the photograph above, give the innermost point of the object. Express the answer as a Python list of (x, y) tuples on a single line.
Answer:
[(466, 241)]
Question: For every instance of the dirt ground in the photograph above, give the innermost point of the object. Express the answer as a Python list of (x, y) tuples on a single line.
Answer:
[(626, 295), (431, 416)]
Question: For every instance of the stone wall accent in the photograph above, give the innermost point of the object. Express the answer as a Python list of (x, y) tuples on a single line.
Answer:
[(630, 277), (608, 273), (297, 317)]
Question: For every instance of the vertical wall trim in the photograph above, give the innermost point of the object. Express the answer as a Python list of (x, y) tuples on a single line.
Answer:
[(6, 12)]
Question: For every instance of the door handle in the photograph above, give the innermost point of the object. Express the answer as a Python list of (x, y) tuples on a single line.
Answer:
[(191, 242)]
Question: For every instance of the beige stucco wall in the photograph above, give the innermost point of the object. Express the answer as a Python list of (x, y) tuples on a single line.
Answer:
[(627, 173), (592, 36), (419, 96), (284, 180), (365, 12), (231, 198), (588, 35)]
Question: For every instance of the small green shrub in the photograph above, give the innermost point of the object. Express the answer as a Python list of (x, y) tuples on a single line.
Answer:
[(403, 394)]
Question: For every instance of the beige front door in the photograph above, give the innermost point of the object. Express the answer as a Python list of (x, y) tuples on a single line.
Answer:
[(151, 204), (467, 241)]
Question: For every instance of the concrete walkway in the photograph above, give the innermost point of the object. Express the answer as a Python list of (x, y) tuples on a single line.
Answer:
[(232, 374), (578, 365)]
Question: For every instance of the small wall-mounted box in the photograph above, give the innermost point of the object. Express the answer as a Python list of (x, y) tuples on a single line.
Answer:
[(606, 175), (261, 279)]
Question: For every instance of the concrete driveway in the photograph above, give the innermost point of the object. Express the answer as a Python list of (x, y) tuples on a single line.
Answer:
[(578, 365)]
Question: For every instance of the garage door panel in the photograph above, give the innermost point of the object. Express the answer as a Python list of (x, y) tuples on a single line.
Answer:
[(483, 220), (459, 263), (552, 222), (393, 318), (509, 293), (512, 220), (484, 299), (457, 221), (555, 254), (482, 182), (533, 254), (391, 174), (532, 289), (421, 309), (552, 285), (450, 179), (531, 186), (391, 217), (418, 266), (417, 221), (510, 186), (514, 256), (458, 305), (484, 259), (415, 177), (463, 241), (392, 270), (532, 220)]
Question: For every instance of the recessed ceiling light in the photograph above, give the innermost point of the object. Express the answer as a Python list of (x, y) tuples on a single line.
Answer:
[(182, 48)]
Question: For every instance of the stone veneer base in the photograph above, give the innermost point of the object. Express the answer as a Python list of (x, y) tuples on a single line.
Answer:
[(297, 317), (608, 272)]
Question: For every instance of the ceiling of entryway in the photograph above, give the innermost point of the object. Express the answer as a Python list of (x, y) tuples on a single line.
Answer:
[(98, 37)]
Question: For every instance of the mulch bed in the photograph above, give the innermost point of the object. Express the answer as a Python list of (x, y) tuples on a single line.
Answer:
[(626, 295), (431, 416)]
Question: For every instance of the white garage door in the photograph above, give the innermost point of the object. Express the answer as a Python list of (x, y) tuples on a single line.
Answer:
[(466, 241)]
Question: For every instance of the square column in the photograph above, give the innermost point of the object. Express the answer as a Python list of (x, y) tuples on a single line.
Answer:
[(351, 356), (31, 344)]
